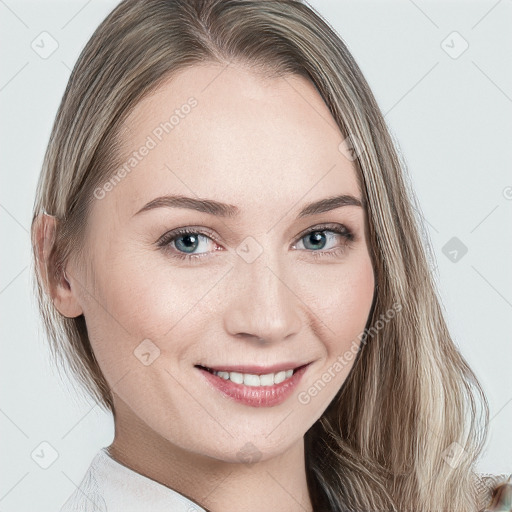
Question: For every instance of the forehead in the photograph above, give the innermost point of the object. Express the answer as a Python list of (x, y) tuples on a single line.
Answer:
[(226, 133)]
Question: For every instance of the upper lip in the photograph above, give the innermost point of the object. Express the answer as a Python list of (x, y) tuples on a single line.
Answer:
[(254, 368)]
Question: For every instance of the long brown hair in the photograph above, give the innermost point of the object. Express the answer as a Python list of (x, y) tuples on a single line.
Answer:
[(403, 433)]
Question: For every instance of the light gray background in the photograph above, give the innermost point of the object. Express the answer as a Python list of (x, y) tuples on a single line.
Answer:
[(451, 118)]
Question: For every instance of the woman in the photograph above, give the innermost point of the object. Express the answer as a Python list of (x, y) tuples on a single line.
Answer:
[(228, 261)]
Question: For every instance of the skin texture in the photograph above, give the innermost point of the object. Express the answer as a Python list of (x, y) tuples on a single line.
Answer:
[(268, 147)]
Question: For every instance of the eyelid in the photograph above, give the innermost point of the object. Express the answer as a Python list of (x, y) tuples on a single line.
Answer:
[(329, 226), (189, 229), (201, 230), (164, 242)]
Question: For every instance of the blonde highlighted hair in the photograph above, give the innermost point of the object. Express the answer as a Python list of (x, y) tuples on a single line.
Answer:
[(387, 441)]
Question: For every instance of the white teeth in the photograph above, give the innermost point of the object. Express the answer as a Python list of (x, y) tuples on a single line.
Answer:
[(250, 379), (235, 377), (279, 377), (267, 380)]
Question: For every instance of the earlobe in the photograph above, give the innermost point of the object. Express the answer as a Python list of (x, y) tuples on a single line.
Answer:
[(64, 297), (57, 284)]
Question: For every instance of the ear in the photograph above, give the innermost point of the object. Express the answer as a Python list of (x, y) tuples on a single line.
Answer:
[(56, 282)]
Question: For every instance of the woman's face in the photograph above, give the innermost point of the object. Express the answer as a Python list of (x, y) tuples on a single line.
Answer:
[(247, 288)]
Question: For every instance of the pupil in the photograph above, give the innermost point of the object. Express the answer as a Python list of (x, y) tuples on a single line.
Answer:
[(188, 247), (317, 237)]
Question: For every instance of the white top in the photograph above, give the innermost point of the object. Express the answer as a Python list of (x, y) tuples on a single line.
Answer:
[(109, 486)]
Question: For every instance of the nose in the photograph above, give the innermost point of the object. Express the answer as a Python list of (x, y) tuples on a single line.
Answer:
[(262, 305)]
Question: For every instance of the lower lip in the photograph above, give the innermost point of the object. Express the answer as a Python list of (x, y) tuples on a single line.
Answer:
[(256, 396)]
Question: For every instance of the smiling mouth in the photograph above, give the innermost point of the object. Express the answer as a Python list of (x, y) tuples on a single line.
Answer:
[(254, 379), (255, 389)]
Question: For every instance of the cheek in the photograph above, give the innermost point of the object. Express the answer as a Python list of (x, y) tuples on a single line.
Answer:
[(139, 299), (343, 303), (341, 314)]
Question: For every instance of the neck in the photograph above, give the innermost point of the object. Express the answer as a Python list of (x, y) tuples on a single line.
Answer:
[(277, 483)]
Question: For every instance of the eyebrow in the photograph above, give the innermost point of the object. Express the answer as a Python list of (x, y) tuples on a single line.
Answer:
[(219, 209)]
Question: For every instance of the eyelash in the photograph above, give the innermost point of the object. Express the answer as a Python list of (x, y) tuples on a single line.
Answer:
[(340, 229)]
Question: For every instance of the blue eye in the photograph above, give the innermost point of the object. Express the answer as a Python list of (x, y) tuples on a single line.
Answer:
[(188, 242), (318, 237), (182, 243)]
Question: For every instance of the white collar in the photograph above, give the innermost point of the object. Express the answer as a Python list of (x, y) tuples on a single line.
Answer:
[(109, 486)]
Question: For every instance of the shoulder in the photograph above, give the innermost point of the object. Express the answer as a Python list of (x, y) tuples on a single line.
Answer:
[(87, 497), (485, 484), (110, 486)]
